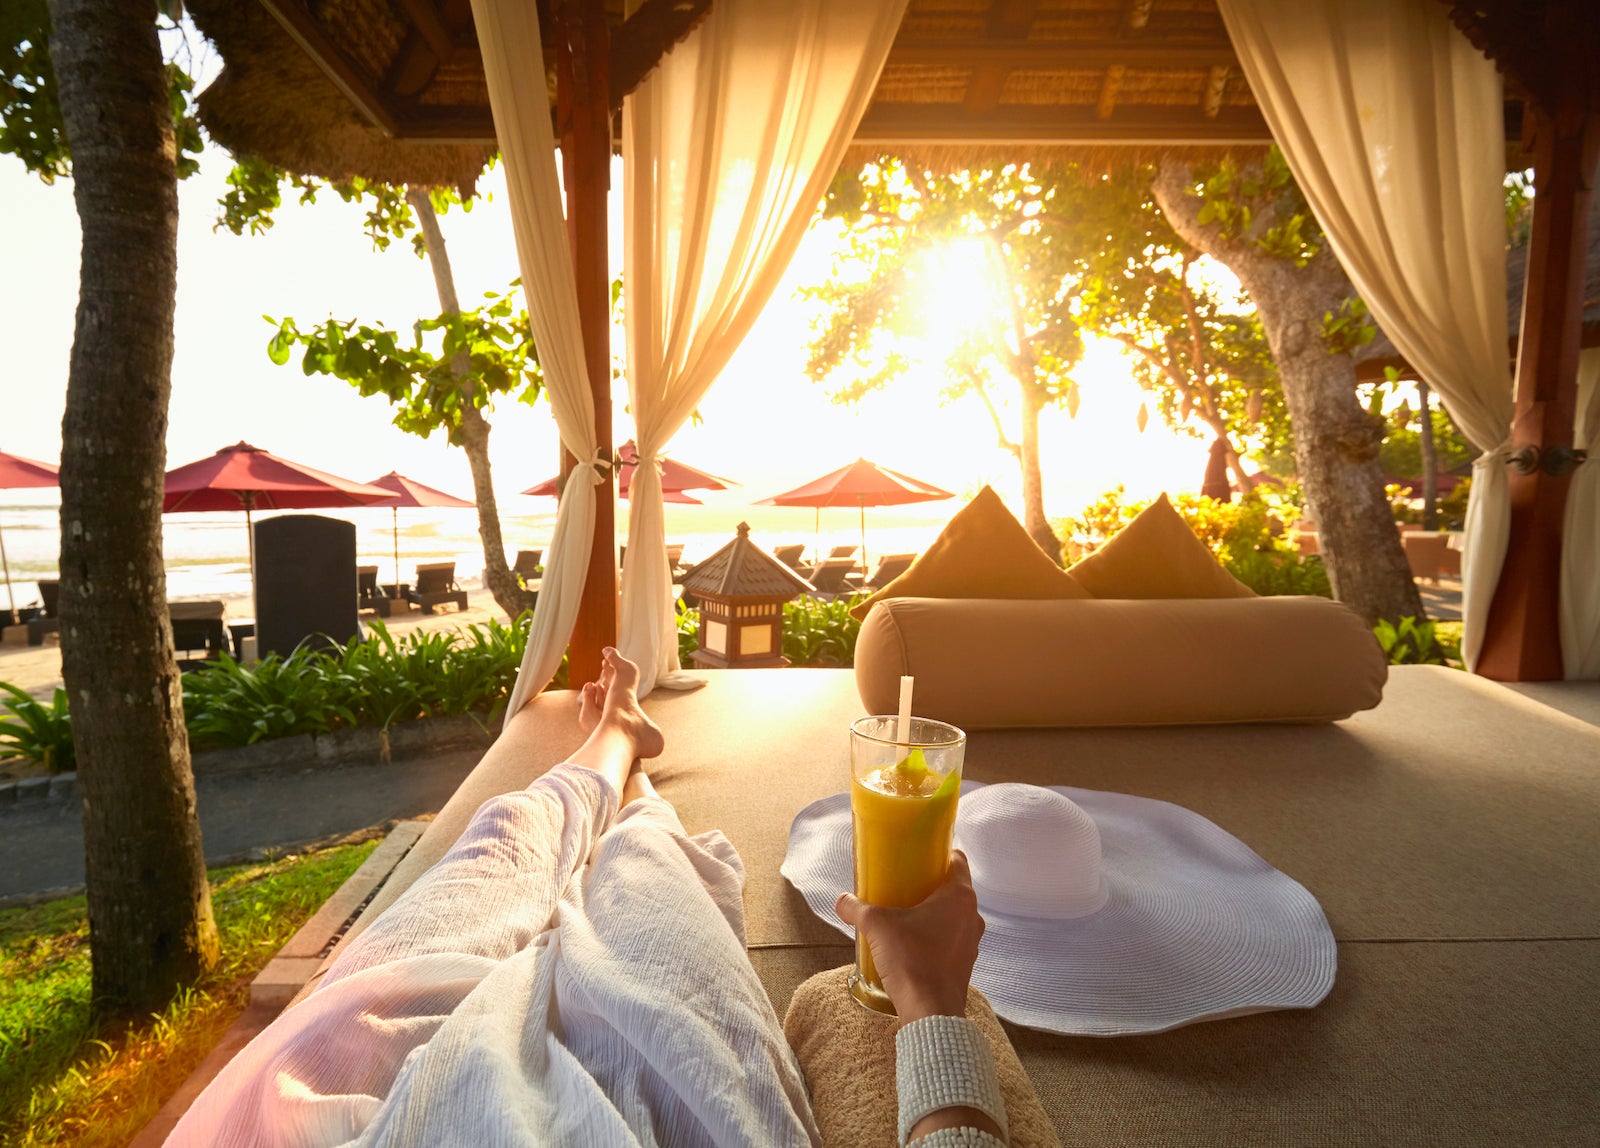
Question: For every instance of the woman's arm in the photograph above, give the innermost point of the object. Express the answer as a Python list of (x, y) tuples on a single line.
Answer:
[(944, 1068)]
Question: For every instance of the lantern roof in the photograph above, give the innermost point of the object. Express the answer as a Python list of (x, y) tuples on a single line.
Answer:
[(741, 569)]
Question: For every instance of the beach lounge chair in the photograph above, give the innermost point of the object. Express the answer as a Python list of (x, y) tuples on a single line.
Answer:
[(890, 567), (197, 628), (790, 555), (367, 592), (831, 576), (843, 552), (48, 620), (528, 565), (436, 585)]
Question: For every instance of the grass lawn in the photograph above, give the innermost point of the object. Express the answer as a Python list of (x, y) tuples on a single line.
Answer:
[(64, 1079)]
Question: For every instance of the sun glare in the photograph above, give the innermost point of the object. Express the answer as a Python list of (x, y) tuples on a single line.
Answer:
[(959, 297)]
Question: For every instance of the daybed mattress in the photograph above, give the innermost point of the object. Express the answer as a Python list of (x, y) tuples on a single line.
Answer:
[(1452, 836)]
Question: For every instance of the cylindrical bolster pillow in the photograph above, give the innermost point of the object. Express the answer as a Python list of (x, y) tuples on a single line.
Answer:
[(983, 663)]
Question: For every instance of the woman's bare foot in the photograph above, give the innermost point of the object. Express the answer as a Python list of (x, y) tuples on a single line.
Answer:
[(612, 699), (619, 731)]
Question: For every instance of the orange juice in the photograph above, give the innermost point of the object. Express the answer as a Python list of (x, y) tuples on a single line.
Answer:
[(904, 820)]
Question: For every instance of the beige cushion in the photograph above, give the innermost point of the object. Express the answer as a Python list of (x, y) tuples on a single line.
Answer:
[(987, 664), (1157, 556), (983, 552)]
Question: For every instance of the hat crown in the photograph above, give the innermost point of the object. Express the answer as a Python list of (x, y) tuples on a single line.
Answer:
[(1033, 852)]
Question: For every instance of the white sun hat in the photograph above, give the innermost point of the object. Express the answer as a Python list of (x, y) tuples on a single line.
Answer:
[(1106, 914)]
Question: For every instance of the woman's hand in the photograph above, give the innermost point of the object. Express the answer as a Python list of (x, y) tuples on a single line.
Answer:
[(924, 954)]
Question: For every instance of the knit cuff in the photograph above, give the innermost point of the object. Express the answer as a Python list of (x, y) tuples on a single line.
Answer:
[(965, 1137), (945, 1062)]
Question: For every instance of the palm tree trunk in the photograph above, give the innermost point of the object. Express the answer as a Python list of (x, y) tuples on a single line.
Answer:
[(508, 592), (150, 926), (1033, 518)]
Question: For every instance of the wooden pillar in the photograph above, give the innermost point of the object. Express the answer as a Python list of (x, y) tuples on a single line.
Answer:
[(583, 111), (1522, 641)]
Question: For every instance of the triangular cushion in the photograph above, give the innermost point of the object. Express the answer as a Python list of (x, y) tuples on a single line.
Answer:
[(983, 552), (1157, 556)]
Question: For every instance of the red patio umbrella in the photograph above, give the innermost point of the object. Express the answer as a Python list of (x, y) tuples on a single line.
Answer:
[(410, 492), (245, 477), (17, 473), (676, 477), (861, 484)]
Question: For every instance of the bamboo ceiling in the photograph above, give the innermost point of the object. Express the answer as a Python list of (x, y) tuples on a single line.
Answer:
[(394, 89)]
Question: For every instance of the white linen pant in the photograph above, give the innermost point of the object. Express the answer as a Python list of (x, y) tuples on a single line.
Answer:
[(565, 974)]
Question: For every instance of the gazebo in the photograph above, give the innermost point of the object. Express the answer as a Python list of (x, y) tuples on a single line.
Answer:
[(401, 92), (1447, 834)]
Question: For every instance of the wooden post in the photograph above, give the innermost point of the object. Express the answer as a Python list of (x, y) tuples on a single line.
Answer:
[(1522, 641), (584, 117)]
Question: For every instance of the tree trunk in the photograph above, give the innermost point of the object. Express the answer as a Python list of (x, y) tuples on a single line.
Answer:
[(1335, 441), (150, 926), (1430, 460), (1033, 483), (508, 592)]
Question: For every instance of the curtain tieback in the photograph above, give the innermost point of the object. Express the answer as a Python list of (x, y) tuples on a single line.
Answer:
[(596, 465)]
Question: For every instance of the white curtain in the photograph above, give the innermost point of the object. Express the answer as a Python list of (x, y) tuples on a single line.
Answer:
[(1580, 540), (513, 61), (728, 146), (1393, 125)]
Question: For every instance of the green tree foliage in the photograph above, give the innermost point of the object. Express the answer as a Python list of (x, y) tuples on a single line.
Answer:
[(1248, 537), (1073, 251), (256, 190), (30, 111), (478, 356)]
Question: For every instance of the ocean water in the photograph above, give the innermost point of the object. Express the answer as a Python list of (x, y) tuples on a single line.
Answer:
[(207, 554)]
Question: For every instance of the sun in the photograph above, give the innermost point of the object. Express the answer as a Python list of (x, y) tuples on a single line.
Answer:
[(959, 297)]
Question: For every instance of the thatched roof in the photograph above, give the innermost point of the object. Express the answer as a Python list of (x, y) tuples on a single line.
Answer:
[(1380, 353), (394, 89)]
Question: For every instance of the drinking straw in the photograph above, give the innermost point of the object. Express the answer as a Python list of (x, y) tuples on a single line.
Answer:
[(902, 729)]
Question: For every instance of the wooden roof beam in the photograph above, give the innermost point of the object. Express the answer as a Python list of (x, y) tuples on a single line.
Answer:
[(1216, 85), (1063, 55), (350, 79), (425, 18), (1177, 125), (1009, 22)]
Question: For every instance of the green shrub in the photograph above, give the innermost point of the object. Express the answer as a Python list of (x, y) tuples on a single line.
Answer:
[(35, 731), (1412, 643), (1246, 535), (818, 633), (688, 633)]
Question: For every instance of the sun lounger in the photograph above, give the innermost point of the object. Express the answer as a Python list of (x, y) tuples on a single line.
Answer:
[(890, 567), (48, 620), (843, 552), (436, 585), (367, 592), (790, 555), (197, 628), (1448, 834), (527, 566), (830, 577)]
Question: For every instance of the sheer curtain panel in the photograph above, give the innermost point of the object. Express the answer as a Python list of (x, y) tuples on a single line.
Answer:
[(513, 62), (728, 147), (1393, 126), (1580, 540)]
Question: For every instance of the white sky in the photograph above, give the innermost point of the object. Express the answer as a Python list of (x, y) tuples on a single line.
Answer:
[(765, 425)]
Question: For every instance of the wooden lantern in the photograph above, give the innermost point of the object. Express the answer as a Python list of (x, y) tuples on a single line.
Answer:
[(741, 590)]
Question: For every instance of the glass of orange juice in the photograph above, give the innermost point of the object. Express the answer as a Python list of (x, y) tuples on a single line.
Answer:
[(904, 785)]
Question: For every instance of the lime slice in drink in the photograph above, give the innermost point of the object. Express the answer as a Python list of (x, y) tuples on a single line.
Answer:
[(912, 765)]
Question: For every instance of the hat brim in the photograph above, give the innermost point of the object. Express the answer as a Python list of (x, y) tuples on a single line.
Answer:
[(1196, 926)]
